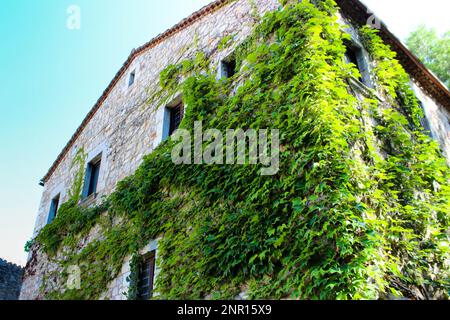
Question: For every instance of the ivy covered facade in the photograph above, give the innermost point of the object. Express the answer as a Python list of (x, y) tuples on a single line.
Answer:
[(359, 208)]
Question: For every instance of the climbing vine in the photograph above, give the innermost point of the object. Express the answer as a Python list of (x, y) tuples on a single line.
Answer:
[(356, 211)]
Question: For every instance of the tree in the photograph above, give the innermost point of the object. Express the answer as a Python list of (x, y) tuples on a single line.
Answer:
[(433, 50)]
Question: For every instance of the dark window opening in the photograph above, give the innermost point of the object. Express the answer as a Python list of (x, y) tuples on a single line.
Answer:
[(353, 55), (146, 276), (132, 77), (424, 121), (53, 209), (95, 170), (91, 179), (176, 116), (229, 68)]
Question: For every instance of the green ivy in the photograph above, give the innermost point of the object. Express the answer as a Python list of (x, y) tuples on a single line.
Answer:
[(72, 221), (356, 211), (226, 42)]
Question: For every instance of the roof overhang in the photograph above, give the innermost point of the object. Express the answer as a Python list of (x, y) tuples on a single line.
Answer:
[(359, 14)]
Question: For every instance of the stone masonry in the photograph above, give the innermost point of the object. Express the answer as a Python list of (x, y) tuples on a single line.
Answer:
[(127, 127)]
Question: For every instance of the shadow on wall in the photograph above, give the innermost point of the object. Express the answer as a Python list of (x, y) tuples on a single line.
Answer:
[(10, 280)]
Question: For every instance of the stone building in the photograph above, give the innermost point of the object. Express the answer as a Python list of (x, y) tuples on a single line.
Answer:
[(118, 132), (10, 280)]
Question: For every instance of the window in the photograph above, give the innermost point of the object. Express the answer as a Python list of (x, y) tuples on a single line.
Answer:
[(176, 115), (53, 209), (351, 56), (91, 178), (424, 121), (228, 68), (173, 115), (146, 276), (131, 79), (355, 55)]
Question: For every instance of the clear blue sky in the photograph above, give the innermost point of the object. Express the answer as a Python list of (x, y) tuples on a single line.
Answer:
[(51, 76)]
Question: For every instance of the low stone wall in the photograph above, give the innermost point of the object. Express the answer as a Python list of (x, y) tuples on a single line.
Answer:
[(10, 280)]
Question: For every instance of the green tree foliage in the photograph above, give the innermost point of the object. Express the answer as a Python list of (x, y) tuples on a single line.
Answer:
[(433, 50)]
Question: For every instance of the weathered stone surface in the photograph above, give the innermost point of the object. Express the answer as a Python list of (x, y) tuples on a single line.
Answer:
[(438, 120)]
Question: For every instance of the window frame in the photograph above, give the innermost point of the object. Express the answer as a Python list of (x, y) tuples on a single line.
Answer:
[(131, 78), (228, 67), (54, 206), (169, 117), (146, 269), (359, 61), (176, 117), (92, 176), (424, 121)]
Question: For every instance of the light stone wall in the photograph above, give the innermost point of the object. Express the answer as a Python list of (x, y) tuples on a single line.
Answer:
[(126, 128), (438, 118)]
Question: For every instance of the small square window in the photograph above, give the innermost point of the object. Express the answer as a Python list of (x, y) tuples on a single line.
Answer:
[(131, 79), (173, 116), (424, 121), (146, 276), (91, 178), (353, 55), (53, 209), (95, 170), (228, 68), (176, 116)]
